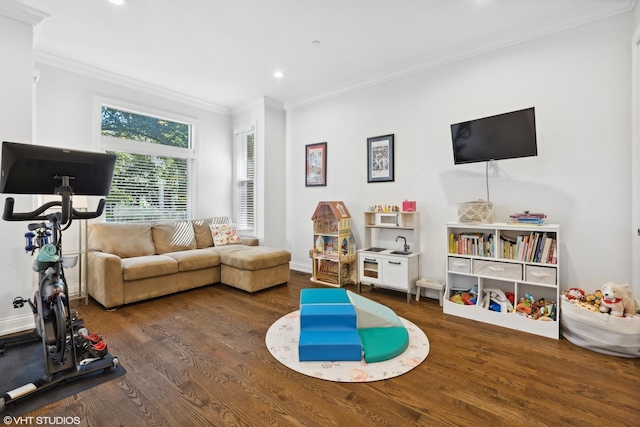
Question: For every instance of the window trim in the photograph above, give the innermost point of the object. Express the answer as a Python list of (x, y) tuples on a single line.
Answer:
[(105, 143), (245, 129)]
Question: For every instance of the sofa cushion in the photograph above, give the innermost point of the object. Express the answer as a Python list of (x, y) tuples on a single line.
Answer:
[(202, 233), (148, 266), (173, 236), (123, 240), (225, 234), (252, 257), (195, 259)]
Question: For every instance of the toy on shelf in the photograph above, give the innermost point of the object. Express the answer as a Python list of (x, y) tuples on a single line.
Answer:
[(465, 297), (384, 208), (541, 309), (496, 300)]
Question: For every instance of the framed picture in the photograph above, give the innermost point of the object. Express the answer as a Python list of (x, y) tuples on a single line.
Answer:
[(380, 158), (316, 164)]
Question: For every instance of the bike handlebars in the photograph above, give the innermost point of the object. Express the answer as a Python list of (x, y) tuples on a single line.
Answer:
[(67, 214)]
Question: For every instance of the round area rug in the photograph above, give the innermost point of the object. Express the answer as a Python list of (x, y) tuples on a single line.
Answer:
[(282, 342)]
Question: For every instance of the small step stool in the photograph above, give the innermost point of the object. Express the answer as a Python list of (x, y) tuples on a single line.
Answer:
[(437, 285)]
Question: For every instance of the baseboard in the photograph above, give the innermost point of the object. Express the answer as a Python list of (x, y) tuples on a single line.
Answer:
[(11, 325), (304, 268)]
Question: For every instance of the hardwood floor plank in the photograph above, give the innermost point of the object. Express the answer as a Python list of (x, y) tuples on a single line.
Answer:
[(199, 358)]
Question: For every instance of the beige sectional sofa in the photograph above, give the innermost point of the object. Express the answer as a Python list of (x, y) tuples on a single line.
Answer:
[(127, 263)]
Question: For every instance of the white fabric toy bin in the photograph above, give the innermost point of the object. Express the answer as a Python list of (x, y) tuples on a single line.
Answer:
[(600, 332)]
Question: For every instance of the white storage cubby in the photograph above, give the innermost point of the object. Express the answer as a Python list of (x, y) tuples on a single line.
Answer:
[(384, 234), (499, 256)]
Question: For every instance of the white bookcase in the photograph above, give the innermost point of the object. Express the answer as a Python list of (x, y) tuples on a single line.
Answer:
[(490, 267), (381, 263)]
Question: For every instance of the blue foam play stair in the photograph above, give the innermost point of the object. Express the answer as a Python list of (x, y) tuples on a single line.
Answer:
[(329, 332), (328, 345), (338, 325)]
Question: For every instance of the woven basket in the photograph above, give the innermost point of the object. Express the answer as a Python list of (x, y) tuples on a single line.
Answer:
[(475, 212)]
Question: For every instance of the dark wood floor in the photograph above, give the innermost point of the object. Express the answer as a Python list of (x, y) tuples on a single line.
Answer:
[(198, 358)]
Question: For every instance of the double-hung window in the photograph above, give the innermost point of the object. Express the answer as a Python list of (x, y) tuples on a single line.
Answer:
[(155, 160), (245, 182)]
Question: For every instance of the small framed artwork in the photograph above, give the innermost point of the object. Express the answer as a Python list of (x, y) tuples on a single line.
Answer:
[(380, 158), (316, 165)]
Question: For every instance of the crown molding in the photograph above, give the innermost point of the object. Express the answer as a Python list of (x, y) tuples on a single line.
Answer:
[(22, 13), (261, 102), (118, 79), (435, 62)]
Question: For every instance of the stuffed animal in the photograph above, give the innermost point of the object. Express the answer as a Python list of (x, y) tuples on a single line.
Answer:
[(616, 299), (594, 299), (575, 294)]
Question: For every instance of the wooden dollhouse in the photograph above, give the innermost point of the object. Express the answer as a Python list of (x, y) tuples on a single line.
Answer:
[(334, 247)]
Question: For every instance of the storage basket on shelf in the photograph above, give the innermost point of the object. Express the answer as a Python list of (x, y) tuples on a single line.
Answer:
[(480, 212), (600, 332)]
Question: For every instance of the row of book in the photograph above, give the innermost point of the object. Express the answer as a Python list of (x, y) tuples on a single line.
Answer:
[(471, 244), (535, 247), (538, 247)]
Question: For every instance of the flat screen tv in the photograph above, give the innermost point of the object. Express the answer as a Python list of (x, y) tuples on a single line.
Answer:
[(504, 136), (35, 169)]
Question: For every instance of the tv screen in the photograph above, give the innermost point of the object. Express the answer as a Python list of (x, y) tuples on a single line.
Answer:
[(504, 136), (35, 169)]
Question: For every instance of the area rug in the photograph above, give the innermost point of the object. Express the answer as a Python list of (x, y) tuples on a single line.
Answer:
[(23, 363), (282, 342)]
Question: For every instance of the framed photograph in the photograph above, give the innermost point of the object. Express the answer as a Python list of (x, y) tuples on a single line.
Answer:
[(380, 158), (316, 165)]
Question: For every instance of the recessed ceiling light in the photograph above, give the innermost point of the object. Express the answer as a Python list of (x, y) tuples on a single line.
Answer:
[(118, 2), (278, 74), (315, 43)]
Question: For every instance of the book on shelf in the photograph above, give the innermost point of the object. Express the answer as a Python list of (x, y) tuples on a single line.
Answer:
[(528, 215), (554, 253), (526, 218), (545, 251), (539, 247), (470, 244)]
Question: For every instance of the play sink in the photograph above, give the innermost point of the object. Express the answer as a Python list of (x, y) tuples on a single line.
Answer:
[(401, 253)]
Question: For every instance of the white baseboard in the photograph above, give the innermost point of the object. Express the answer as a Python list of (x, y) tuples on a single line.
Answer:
[(25, 321), (305, 268), (11, 325)]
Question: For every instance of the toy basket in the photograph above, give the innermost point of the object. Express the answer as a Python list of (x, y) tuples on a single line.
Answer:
[(475, 212), (600, 332)]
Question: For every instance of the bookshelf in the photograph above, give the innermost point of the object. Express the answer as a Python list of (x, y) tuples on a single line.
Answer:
[(498, 260)]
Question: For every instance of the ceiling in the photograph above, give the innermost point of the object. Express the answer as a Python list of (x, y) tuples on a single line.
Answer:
[(225, 52)]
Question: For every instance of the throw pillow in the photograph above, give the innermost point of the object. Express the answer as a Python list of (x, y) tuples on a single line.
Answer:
[(224, 234), (173, 237)]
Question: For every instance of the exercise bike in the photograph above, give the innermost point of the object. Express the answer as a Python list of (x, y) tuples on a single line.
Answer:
[(69, 350)]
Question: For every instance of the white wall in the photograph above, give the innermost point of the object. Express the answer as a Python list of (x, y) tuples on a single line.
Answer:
[(275, 177), (579, 83), (16, 75)]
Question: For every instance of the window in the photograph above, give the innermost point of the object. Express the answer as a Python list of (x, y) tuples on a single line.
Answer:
[(152, 180), (245, 188)]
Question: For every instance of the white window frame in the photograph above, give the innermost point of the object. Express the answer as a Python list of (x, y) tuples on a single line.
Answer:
[(109, 143), (240, 132)]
